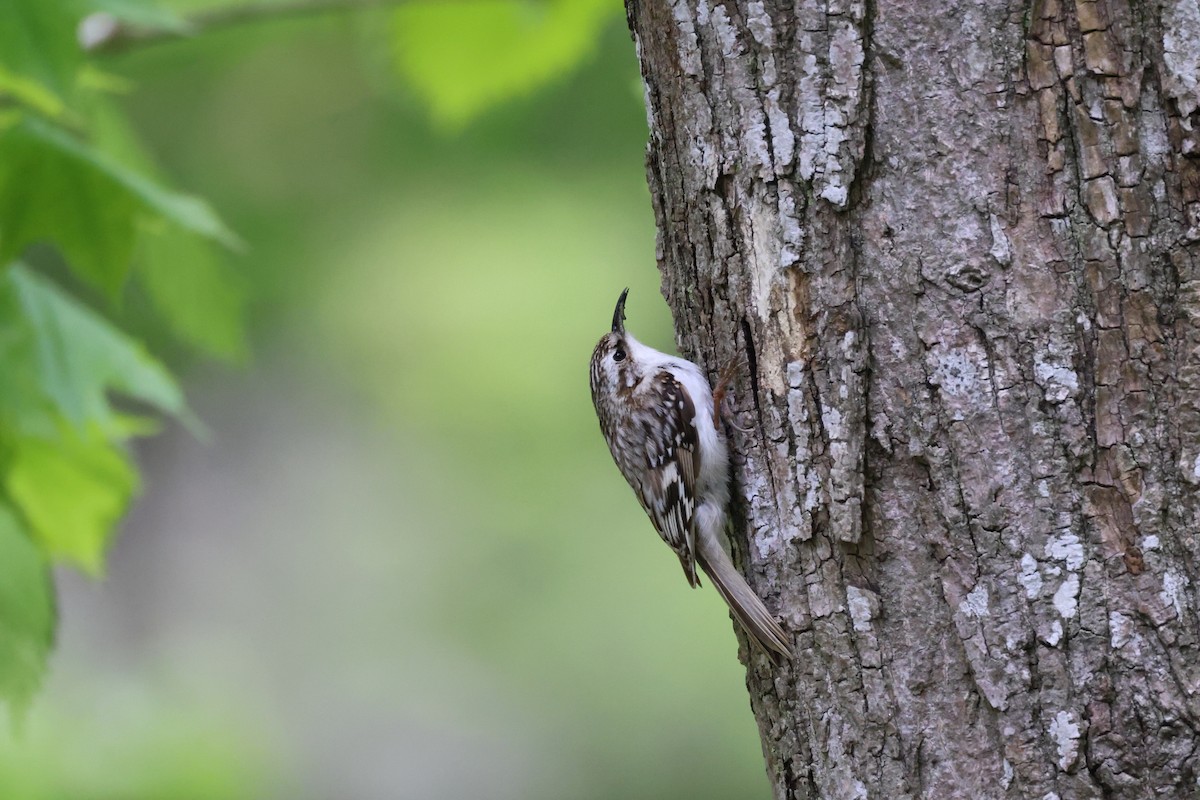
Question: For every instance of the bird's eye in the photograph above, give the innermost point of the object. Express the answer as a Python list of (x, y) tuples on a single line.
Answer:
[(618, 355)]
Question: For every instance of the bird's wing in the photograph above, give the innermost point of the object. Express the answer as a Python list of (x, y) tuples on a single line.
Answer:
[(671, 447)]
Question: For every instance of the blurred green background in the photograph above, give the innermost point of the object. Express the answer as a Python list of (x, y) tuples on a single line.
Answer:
[(403, 564)]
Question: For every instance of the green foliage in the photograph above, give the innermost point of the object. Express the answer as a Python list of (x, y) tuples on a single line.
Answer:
[(76, 187), (464, 58), (46, 196), (85, 217), (26, 612), (80, 357), (200, 298), (66, 471), (54, 187), (36, 43), (72, 490)]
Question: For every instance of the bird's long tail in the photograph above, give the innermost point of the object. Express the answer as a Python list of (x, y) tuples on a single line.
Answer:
[(747, 609)]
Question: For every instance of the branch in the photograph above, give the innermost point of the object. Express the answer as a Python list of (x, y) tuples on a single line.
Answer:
[(103, 34)]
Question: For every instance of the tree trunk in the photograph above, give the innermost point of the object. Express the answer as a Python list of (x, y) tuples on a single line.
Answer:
[(957, 248)]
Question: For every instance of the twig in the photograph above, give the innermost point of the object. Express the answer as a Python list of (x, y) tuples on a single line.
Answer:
[(103, 34)]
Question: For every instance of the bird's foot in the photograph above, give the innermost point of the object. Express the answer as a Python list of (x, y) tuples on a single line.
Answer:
[(722, 409)]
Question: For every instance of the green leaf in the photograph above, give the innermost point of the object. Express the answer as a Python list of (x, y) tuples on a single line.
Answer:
[(30, 93), (49, 195), (199, 297), (26, 614), (191, 213), (37, 40), (80, 357), (57, 188), (466, 57), (72, 490), (193, 289), (24, 407)]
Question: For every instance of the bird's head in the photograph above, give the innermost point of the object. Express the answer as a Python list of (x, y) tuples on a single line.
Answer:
[(614, 367)]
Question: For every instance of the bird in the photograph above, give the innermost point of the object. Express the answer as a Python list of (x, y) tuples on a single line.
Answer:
[(663, 427)]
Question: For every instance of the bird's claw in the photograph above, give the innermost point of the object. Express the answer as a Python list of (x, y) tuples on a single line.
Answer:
[(721, 396)]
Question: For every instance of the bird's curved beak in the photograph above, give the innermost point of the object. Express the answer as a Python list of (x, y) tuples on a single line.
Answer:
[(619, 313)]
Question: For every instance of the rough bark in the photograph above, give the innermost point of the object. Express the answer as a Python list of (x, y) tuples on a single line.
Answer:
[(958, 248)]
